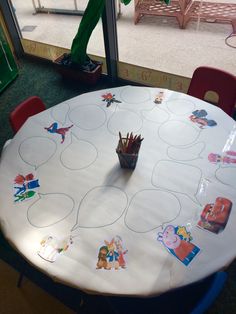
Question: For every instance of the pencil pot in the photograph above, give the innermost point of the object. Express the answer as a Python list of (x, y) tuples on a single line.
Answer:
[(126, 160)]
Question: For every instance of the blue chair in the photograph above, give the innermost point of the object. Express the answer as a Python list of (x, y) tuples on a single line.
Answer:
[(195, 298), (216, 285)]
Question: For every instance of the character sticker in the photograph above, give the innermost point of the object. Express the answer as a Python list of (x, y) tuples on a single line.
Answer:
[(109, 98), (214, 216), (25, 187), (159, 98), (200, 118), (51, 248), (177, 240), (227, 158), (53, 128), (112, 255)]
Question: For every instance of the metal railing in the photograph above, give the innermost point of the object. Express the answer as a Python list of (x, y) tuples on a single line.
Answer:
[(39, 8)]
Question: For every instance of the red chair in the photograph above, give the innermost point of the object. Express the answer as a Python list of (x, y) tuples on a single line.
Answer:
[(211, 79), (24, 110)]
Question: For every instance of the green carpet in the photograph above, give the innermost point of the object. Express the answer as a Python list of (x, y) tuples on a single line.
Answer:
[(40, 78)]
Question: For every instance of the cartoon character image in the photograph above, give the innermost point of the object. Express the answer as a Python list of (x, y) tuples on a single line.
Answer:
[(24, 186), (20, 189), (27, 186), (181, 231), (112, 255), (199, 117), (177, 242), (228, 157), (24, 196), (20, 179), (102, 257), (53, 128), (109, 99), (159, 98), (50, 248), (120, 251), (214, 217)]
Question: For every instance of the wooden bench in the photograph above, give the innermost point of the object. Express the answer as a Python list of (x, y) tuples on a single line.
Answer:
[(186, 10), (155, 7), (210, 12)]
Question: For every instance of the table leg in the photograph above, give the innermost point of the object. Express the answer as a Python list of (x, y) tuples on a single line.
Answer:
[(19, 282)]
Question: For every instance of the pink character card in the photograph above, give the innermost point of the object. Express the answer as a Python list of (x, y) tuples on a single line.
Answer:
[(177, 240)]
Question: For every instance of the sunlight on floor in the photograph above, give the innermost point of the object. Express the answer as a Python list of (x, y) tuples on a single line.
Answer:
[(155, 42)]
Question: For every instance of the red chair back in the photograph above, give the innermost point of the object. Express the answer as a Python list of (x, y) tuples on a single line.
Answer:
[(24, 110), (211, 79)]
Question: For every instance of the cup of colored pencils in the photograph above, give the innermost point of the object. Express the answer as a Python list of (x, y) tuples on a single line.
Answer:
[(128, 149)]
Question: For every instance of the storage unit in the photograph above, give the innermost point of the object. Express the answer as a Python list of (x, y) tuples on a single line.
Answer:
[(8, 67)]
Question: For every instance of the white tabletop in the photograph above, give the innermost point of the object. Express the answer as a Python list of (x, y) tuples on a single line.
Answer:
[(64, 202)]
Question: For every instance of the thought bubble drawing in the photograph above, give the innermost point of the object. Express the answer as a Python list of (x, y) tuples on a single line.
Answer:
[(156, 115), (79, 154), (50, 209), (101, 206), (150, 209), (190, 211), (88, 117), (135, 95), (124, 121), (59, 113), (177, 177), (178, 133), (187, 153), (180, 106), (227, 175), (37, 150)]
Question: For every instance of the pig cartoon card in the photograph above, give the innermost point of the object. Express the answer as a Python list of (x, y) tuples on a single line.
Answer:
[(177, 241)]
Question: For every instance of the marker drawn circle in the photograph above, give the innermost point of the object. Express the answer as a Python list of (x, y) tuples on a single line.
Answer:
[(101, 206), (135, 95), (188, 153), (178, 133), (50, 209), (37, 150), (150, 209), (177, 177), (227, 175), (156, 115), (78, 155), (124, 121), (59, 113), (88, 117), (180, 106)]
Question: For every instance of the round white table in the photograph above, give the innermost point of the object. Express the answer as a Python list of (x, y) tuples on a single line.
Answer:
[(70, 209)]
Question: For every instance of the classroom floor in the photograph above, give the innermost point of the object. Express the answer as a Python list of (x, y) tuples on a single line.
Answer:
[(25, 299), (155, 42)]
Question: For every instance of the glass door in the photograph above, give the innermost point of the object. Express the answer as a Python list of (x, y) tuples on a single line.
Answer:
[(161, 44), (48, 27)]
